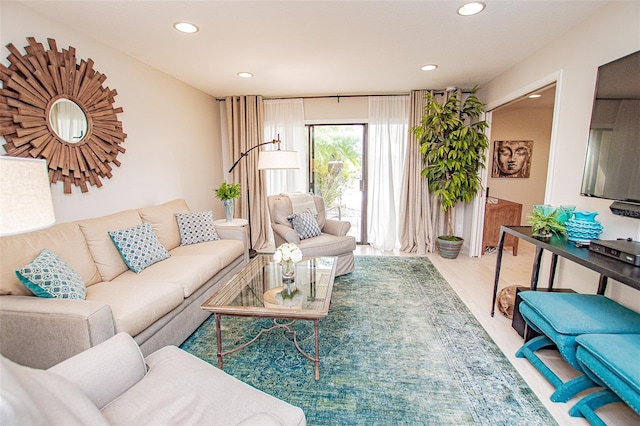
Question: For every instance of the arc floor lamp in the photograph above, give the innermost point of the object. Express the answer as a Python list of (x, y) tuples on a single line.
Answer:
[(276, 159)]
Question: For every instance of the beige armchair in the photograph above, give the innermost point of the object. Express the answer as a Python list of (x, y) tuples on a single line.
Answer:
[(113, 384), (333, 241)]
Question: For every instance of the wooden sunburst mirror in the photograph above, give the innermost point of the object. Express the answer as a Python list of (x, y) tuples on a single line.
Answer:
[(51, 107)]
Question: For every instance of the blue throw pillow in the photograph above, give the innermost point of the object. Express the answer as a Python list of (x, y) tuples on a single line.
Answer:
[(49, 276), (139, 246), (196, 228), (305, 224)]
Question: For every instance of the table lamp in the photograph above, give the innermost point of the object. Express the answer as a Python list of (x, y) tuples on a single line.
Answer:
[(25, 195)]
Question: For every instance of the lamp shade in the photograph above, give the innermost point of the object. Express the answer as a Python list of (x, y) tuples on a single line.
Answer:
[(277, 160), (25, 195)]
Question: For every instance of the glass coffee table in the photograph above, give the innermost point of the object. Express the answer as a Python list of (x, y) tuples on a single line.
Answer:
[(251, 294)]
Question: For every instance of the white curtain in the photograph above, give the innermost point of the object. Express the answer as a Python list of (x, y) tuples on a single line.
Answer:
[(285, 117), (387, 144)]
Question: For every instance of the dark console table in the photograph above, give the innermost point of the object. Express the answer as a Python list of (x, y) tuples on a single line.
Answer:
[(606, 266)]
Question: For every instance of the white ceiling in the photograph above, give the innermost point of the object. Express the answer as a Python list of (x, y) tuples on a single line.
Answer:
[(297, 48)]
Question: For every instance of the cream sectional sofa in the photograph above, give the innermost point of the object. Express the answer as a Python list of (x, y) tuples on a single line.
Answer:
[(159, 306)]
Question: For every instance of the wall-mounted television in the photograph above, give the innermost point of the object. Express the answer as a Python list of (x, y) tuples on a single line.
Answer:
[(612, 165)]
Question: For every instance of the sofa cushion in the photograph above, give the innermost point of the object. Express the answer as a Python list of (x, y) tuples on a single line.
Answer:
[(187, 272), (136, 303), (182, 389), (104, 252), (282, 208), (305, 224), (37, 397), (196, 228), (49, 276), (327, 245), (65, 240), (301, 201), (139, 246), (226, 250), (163, 221)]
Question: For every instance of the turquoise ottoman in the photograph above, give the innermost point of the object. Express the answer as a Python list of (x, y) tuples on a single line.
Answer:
[(612, 361), (560, 318)]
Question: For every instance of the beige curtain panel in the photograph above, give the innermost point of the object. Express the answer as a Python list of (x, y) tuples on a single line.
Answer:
[(421, 217), (245, 121)]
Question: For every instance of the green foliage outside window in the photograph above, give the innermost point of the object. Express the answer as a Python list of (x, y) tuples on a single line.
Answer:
[(336, 161)]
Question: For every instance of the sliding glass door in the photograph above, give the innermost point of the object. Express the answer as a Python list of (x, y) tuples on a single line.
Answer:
[(337, 169)]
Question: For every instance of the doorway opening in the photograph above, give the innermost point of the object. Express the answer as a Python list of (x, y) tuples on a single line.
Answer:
[(527, 121)]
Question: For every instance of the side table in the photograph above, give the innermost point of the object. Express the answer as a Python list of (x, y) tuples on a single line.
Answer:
[(237, 223), (607, 267)]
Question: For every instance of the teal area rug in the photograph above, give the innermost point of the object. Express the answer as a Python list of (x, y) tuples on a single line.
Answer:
[(398, 347)]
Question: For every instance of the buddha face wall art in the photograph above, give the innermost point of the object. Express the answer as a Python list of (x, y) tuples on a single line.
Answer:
[(511, 159)]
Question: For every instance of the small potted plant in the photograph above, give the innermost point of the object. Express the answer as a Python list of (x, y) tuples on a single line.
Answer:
[(544, 223), (228, 193)]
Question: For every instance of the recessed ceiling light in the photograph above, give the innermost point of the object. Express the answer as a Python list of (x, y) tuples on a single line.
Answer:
[(472, 8), (534, 96), (429, 67), (245, 74), (186, 27)]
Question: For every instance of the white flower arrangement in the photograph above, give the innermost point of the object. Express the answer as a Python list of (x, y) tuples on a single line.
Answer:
[(287, 252)]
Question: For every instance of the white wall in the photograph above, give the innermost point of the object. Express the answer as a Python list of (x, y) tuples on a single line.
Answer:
[(173, 130), (336, 110), (609, 34)]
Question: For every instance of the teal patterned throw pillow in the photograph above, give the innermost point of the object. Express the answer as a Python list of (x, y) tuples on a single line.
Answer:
[(196, 228), (305, 224), (49, 276), (139, 246)]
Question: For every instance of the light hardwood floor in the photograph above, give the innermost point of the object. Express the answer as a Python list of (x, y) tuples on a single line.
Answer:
[(472, 278)]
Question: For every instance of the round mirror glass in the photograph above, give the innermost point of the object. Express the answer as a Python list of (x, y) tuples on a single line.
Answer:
[(68, 120)]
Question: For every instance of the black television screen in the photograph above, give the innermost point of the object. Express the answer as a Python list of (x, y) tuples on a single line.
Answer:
[(612, 165)]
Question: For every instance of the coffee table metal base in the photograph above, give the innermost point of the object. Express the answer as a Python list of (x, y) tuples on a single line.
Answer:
[(286, 326)]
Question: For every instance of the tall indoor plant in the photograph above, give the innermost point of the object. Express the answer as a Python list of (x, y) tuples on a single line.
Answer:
[(453, 145)]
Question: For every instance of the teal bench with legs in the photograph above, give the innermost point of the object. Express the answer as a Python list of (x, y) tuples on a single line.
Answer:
[(560, 318), (613, 362)]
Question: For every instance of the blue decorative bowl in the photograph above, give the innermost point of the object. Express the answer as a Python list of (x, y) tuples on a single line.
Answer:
[(583, 227)]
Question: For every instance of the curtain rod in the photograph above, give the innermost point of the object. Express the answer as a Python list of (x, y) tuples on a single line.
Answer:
[(437, 92)]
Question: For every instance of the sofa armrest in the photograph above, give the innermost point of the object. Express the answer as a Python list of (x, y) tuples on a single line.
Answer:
[(288, 234), (39, 332), (336, 227), (106, 371), (235, 233)]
